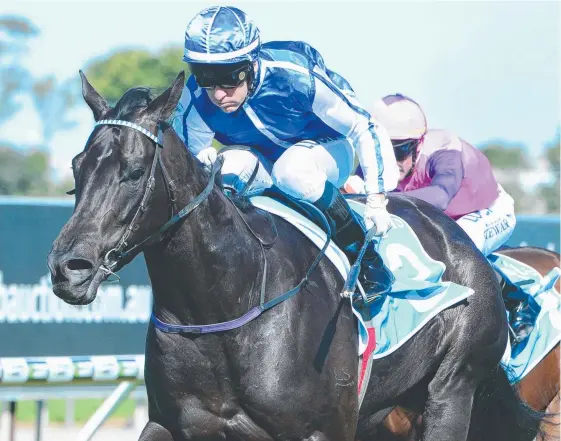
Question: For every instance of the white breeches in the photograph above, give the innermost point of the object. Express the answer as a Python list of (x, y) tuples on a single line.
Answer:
[(491, 228), (301, 171)]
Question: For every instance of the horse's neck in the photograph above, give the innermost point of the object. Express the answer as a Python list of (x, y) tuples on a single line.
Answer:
[(210, 267)]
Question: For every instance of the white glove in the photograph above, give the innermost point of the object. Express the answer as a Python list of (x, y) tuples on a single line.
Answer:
[(207, 156), (376, 215), (354, 184)]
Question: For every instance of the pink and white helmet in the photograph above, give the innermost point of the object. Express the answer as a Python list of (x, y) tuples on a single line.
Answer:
[(402, 117)]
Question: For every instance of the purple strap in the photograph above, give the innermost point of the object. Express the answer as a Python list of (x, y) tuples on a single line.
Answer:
[(263, 306), (207, 329)]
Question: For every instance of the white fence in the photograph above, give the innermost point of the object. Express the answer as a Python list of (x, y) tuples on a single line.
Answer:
[(70, 378)]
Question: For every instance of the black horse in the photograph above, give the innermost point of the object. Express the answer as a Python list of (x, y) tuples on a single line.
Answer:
[(290, 374)]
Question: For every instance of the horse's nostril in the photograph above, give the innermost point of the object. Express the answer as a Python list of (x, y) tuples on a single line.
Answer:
[(79, 265), (77, 271)]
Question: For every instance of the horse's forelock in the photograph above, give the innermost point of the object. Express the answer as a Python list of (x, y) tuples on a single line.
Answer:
[(132, 101)]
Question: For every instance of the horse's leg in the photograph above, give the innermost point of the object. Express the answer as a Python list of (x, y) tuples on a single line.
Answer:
[(472, 349), (448, 410), (401, 423), (154, 432)]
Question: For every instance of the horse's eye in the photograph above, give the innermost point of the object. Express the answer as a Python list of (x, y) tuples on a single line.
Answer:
[(135, 175)]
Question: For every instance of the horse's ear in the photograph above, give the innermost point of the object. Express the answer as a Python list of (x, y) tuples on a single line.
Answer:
[(93, 99), (161, 108)]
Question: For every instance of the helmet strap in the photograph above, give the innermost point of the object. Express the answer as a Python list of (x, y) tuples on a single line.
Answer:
[(251, 85), (252, 78), (414, 156), (414, 162)]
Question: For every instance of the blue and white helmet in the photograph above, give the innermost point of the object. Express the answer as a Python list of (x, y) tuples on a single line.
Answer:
[(221, 35)]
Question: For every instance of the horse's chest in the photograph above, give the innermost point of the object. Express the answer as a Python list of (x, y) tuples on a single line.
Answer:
[(200, 404)]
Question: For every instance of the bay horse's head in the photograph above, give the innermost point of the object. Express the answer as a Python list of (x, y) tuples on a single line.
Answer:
[(119, 178)]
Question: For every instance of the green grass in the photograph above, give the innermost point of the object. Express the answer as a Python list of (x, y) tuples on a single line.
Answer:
[(83, 410)]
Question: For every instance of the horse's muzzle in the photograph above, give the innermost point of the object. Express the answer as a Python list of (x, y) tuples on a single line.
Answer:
[(71, 269), (71, 276)]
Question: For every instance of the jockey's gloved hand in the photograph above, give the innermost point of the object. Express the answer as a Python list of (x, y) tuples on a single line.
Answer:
[(354, 185), (207, 156), (376, 214)]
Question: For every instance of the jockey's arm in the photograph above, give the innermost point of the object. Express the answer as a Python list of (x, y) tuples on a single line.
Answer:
[(192, 130), (446, 171), (372, 143)]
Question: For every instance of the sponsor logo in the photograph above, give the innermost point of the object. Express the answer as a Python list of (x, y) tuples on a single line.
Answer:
[(37, 304), (497, 229)]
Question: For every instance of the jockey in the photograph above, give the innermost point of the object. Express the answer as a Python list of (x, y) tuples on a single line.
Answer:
[(300, 120), (444, 170)]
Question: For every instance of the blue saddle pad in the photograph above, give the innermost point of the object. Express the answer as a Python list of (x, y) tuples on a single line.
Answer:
[(418, 294), (547, 332)]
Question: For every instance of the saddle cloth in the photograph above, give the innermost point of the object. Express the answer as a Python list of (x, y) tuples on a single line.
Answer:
[(419, 294), (521, 359)]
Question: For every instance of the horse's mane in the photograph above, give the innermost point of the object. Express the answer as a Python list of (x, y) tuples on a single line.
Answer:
[(132, 100)]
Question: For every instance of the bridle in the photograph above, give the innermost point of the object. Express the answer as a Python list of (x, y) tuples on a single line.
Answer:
[(122, 249)]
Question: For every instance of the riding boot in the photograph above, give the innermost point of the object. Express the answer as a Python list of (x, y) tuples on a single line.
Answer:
[(348, 232), (523, 310), (229, 191)]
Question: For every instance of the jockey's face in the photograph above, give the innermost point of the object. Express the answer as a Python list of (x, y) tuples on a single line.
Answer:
[(228, 99), (405, 167)]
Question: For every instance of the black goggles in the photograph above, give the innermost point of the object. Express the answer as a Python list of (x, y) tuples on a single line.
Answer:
[(225, 76), (403, 148)]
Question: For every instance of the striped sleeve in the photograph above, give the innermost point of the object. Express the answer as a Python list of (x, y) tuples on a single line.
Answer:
[(189, 125), (371, 142)]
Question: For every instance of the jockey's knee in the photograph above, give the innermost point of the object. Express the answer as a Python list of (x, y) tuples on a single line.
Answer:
[(489, 229), (237, 168), (501, 222), (474, 229), (297, 173), (506, 228)]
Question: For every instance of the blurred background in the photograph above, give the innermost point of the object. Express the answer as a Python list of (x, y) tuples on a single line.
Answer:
[(487, 71)]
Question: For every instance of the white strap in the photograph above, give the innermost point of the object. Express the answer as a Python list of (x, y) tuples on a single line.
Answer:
[(223, 56), (119, 122)]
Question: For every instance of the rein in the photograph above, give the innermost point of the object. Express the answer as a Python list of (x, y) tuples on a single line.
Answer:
[(122, 250), (119, 252)]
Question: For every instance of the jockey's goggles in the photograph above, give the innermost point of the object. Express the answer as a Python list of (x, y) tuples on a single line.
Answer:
[(224, 76), (403, 148)]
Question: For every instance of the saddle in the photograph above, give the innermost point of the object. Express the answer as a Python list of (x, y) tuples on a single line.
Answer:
[(311, 215), (265, 224)]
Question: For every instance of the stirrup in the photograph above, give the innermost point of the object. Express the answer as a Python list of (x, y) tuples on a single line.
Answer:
[(366, 299), (229, 191), (516, 338), (352, 278)]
